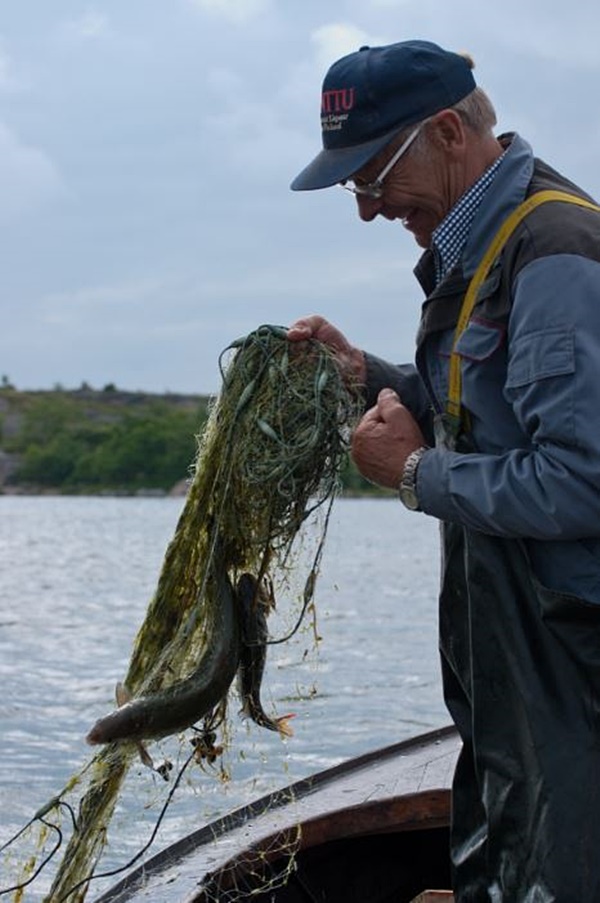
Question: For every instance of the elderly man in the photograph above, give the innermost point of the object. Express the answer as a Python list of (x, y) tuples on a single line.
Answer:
[(495, 432)]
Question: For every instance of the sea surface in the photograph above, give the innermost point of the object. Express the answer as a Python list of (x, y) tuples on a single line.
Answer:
[(76, 576)]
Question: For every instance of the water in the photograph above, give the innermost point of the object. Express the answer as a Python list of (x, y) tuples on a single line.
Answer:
[(75, 578)]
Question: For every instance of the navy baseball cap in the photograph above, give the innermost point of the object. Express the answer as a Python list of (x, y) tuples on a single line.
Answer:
[(371, 95)]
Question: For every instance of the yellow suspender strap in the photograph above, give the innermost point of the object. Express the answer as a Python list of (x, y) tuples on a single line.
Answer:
[(453, 408)]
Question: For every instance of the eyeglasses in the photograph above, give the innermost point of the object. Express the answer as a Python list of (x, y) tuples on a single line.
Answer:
[(374, 190)]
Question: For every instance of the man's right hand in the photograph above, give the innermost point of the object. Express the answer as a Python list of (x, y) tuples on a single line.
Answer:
[(351, 359)]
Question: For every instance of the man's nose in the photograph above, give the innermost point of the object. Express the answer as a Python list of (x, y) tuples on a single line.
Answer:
[(368, 208)]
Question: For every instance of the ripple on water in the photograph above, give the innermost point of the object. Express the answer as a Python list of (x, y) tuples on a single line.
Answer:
[(80, 577)]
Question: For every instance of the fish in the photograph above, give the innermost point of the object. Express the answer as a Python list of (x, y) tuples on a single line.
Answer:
[(255, 603), (169, 711), (123, 696)]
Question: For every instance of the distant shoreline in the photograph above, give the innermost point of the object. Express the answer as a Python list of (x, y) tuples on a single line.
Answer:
[(109, 442)]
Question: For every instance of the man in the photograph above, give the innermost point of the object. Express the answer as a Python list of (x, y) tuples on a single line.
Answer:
[(504, 451)]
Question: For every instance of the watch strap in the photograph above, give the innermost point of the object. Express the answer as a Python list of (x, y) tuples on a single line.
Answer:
[(408, 483)]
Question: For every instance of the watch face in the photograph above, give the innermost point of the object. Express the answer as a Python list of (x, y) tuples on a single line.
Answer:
[(409, 497)]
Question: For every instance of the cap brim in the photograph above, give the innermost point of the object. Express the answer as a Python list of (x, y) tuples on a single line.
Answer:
[(334, 165)]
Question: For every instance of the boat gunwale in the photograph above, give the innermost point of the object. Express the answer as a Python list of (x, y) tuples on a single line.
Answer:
[(411, 812), (414, 811)]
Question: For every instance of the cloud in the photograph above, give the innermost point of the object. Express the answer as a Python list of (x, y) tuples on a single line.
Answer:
[(237, 12), (262, 134), (8, 79), (548, 38), (258, 137), (15, 77), (28, 178), (107, 304), (338, 39), (89, 26)]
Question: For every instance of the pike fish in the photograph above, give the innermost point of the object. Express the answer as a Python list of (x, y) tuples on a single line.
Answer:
[(255, 603), (186, 701)]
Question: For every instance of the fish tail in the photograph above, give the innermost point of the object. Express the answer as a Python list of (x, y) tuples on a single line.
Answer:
[(282, 725), (278, 724)]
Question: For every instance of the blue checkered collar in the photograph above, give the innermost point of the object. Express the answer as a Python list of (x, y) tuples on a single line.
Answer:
[(449, 238)]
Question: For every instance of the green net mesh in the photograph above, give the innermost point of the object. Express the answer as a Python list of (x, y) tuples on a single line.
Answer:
[(269, 456)]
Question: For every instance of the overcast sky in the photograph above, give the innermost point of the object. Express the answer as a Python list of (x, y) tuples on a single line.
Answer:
[(146, 151)]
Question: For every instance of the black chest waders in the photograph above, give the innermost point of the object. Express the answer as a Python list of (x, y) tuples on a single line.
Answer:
[(521, 675), (521, 671)]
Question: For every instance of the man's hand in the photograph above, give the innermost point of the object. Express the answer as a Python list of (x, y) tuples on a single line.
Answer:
[(384, 439), (351, 360)]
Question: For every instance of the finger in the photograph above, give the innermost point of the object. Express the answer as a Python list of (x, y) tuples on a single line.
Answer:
[(386, 395), (304, 328), (373, 415), (388, 402), (299, 331)]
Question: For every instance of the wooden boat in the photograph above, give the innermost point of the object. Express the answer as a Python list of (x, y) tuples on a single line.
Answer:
[(373, 829)]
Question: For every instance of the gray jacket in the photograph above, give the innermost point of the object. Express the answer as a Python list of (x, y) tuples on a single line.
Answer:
[(531, 381)]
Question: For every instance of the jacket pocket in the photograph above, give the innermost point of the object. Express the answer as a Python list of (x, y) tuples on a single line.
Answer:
[(540, 355), (480, 340)]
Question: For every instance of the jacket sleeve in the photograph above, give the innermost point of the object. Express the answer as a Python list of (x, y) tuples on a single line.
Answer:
[(406, 381), (550, 487)]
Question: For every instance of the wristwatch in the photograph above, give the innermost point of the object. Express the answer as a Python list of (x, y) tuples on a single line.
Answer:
[(408, 483)]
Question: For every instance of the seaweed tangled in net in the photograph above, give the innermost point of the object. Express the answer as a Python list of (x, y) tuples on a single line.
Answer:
[(270, 454)]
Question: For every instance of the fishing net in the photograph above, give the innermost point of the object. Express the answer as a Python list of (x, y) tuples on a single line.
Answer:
[(263, 868), (269, 457)]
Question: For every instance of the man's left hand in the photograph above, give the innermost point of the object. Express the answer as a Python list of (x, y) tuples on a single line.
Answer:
[(383, 440)]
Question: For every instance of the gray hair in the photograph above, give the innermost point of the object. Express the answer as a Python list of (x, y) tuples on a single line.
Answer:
[(476, 111)]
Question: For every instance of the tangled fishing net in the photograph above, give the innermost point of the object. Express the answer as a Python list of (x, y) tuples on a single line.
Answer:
[(269, 456)]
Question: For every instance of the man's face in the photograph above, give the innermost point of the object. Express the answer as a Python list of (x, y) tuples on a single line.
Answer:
[(418, 190)]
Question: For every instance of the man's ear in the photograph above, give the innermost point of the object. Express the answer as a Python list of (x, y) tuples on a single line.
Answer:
[(447, 131)]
